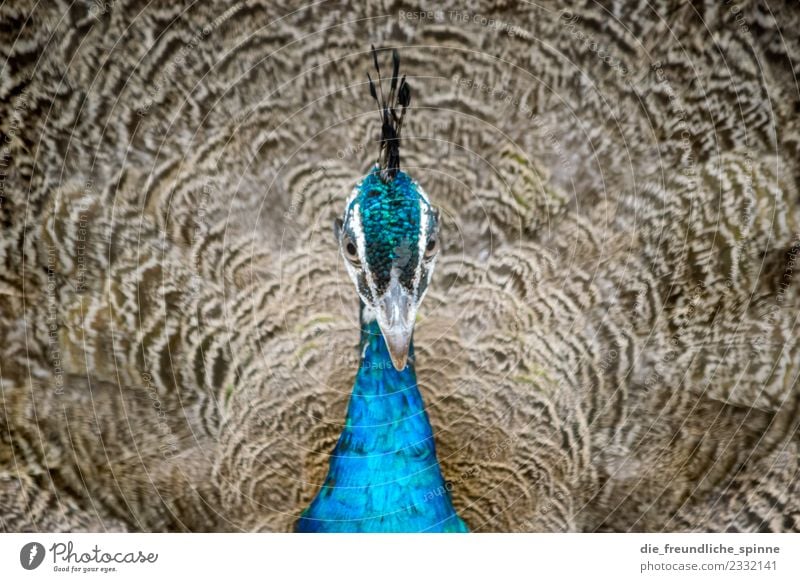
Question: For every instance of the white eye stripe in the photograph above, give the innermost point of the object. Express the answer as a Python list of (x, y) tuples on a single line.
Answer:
[(361, 246), (358, 231), (421, 192), (424, 216), (353, 194), (431, 266)]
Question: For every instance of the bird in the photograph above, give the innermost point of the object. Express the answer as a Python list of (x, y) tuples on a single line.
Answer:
[(609, 342), (384, 475)]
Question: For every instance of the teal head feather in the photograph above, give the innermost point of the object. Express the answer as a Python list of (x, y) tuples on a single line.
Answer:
[(384, 475)]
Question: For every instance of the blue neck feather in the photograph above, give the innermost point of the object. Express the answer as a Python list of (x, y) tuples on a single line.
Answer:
[(384, 475)]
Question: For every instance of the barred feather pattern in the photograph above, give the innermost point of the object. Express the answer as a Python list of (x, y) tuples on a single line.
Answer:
[(610, 342)]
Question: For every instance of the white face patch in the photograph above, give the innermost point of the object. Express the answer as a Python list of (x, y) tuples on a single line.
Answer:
[(421, 191), (361, 246), (353, 195), (424, 218), (431, 267)]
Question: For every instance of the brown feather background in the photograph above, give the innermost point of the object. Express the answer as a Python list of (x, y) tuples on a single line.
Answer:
[(611, 337)]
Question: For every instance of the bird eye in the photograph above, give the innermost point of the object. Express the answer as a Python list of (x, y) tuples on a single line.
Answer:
[(432, 247), (350, 251)]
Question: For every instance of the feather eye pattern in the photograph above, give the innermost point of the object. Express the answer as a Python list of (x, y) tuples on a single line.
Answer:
[(391, 120)]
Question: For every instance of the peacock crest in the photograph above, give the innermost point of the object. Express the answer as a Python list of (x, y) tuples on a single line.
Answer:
[(391, 121)]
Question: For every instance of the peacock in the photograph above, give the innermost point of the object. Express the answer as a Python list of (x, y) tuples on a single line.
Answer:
[(609, 342), (384, 475)]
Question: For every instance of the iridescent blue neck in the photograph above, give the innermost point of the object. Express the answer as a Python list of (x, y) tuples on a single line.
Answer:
[(384, 475)]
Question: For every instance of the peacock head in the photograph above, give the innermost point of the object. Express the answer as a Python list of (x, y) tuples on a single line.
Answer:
[(389, 234), (389, 238)]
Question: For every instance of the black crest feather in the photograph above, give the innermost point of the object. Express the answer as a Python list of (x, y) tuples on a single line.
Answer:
[(392, 111)]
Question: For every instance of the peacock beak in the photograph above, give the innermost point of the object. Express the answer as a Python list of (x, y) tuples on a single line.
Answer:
[(396, 313)]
